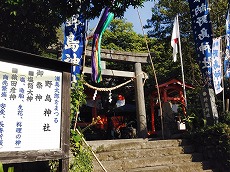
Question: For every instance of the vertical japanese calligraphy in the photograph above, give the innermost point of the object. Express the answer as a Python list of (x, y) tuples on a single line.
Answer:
[(202, 31), (203, 37), (206, 103), (216, 66), (5, 79), (2, 124), (30, 86), (74, 42), (56, 98), (30, 108)]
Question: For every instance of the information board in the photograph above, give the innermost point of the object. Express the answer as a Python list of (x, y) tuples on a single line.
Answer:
[(30, 108)]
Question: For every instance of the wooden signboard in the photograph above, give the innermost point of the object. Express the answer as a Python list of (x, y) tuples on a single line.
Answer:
[(34, 108)]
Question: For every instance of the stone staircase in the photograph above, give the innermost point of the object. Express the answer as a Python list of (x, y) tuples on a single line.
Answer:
[(144, 155)]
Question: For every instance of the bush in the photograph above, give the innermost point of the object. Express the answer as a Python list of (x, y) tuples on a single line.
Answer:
[(82, 156), (225, 118), (214, 142)]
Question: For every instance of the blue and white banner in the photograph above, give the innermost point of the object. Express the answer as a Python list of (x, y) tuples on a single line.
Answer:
[(227, 51), (74, 42), (203, 37), (216, 65)]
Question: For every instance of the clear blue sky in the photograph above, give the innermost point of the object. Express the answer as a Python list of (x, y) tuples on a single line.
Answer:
[(132, 16), (145, 13)]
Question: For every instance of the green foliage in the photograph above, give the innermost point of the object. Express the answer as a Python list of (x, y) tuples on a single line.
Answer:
[(90, 9), (164, 11), (1, 168), (194, 122), (82, 156), (161, 23), (31, 26), (218, 14), (120, 36), (78, 97), (10, 169), (53, 165), (225, 118), (81, 160), (214, 142)]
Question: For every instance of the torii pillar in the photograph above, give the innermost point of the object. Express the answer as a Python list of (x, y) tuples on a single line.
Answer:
[(142, 131)]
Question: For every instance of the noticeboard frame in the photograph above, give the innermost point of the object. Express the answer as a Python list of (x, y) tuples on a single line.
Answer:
[(31, 60)]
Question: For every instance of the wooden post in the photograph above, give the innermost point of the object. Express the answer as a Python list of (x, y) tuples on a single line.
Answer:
[(227, 105), (65, 134), (152, 106), (140, 103)]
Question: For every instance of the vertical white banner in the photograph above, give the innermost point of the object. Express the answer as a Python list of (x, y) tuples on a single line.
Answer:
[(217, 65)]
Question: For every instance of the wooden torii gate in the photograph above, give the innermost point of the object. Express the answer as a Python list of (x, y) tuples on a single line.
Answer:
[(137, 59)]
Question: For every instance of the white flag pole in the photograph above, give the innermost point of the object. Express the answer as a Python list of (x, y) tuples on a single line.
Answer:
[(182, 69)]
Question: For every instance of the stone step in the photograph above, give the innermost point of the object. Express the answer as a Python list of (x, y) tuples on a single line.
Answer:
[(146, 155), (132, 163), (181, 167), (178, 167), (124, 144), (140, 153)]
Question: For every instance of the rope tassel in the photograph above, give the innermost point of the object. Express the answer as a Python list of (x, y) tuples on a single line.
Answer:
[(110, 96), (95, 95)]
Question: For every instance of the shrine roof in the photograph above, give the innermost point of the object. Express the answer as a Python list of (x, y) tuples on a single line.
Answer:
[(174, 82)]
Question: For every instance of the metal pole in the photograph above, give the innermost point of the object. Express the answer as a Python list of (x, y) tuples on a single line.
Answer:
[(182, 69)]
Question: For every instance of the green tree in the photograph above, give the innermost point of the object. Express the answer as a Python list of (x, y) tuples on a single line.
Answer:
[(121, 36), (31, 25), (161, 23)]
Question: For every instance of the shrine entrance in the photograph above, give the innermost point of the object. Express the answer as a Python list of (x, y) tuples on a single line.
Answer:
[(120, 114)]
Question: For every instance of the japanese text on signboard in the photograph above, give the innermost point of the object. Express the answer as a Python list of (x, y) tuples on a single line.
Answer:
[(30, 108)]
